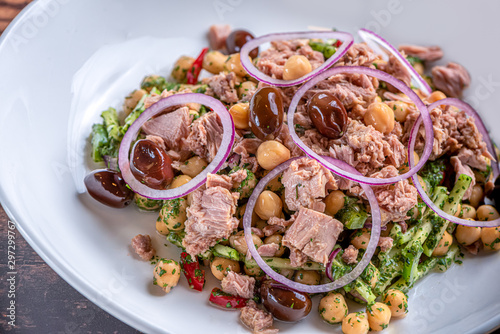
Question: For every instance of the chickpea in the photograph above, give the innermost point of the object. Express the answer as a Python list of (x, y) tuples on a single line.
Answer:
[(490, 236), (334, 202), (268, 205), (246, 87), (467, 235), (355, 323), (275, 184), (276, 239), (459, 210), (220, 266), (193, 166), (309, 277), (132, 99), (333, 308), (237, 241), (166, 274), (181, 67), (361, 238), (213, 62), (380, 116), (371, 275), (436, 96), (254, 271), (397, 302), (147, 204), (240, 112), (296, 67), (172, 216), (468, 211), (288, 273), (379, 316), (444, 245), (271, 153), (487, 212), (180, 181), (419, 68), (260, 224), (378, 99), (233, 64), (406, 166), (400, 110), (476, 196)]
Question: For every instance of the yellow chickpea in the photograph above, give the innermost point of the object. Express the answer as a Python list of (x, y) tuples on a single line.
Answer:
[(355, 323), (271, 153), (397, 302), (372, 275), (487, 212), (180, 181), (378, 99), (132, 99), (361, 238), (467, 235), (268, 205), (166, 274), (436, 96), (334, 202), (490, 236), (254, 271), (220, 266), (296, 67), (181, 67), (333, 308), (276, 239), (238, 242), (380, 116), (246, 87), (444, 245), (468, 211), (309, 277), (406, 166), (400, 110), (172, 216), (379, 316), (233, 64), (193, 166), (240, 112), (476, 196), (275, 184), (288, 273), (213, 62)]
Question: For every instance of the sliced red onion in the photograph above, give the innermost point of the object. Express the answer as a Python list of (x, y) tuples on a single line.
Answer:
[(346, 38), (381, 46), (157, 108), (328, 270), (429, 132), (411, 147), (346, 279)]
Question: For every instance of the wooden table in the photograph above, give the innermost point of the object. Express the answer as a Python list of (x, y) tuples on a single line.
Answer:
[(45, 303)]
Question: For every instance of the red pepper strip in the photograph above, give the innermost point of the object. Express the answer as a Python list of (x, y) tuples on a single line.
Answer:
[(192, 271), (194, 71), (219, 297), (338, 43)]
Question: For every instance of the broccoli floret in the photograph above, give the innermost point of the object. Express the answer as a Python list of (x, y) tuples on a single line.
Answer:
[(353, 215), (433, 172)]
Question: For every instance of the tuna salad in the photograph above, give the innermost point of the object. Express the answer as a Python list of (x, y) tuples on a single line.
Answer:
[(314, 167)]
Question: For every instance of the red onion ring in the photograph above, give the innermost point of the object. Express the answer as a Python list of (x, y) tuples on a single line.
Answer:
[(157, 108), (411, 147), (328, 270), (379, 75), (374, 41), (347, 278), (346, 38)]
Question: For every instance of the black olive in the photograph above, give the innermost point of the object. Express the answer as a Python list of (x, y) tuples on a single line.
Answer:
[(151, 165), (237, 39), (328, 115), (109, 188), (266, 113), (284, 303)]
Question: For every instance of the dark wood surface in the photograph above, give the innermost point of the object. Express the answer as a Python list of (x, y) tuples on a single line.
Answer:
[(44, 302)]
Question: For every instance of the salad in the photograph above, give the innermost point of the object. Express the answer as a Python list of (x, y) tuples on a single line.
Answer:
[(303, 165)]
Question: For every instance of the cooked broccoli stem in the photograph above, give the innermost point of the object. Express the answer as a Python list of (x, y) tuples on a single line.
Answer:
[(138, 110), (99, 141), (112, 124), (279, 263), (226, 252), (176, 238), (147, 204), (445, 262), (353, 214), (433, 172), (422, 270)]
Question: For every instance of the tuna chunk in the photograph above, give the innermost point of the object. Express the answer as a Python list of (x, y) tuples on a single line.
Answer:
[(350, 255), (256, 319), (222, 87), (143, 247), (314, 234), (359, 54), (244, 147), (238, 285), (385, 243), (451, 80), (206, 136), (210, 219), (396, 69), (306, 181), (268, 249), (217, 35), (172, 127), (426, 53), (216, 180), (463, 169)]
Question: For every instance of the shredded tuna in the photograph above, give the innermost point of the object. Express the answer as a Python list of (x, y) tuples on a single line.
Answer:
[(297, 258), (451, 80), (238, 285), (281, 221), (268, 249), (426, 53), (350, 255), (244, 147), (256, 319), (217, 35), (222, 87), (258, 232), (153, 98), (359, 54), (474, 248), (143, 247), (396, 69), (210, 219), (463, 169), (385, 243), (314, 234), (206, 136), (273, 229), (216, 180), (306, 181)]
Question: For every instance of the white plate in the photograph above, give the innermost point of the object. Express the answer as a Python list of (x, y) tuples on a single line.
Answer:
[(62, 62)]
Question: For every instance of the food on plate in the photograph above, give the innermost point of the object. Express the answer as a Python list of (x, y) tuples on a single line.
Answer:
[(314, 168)]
